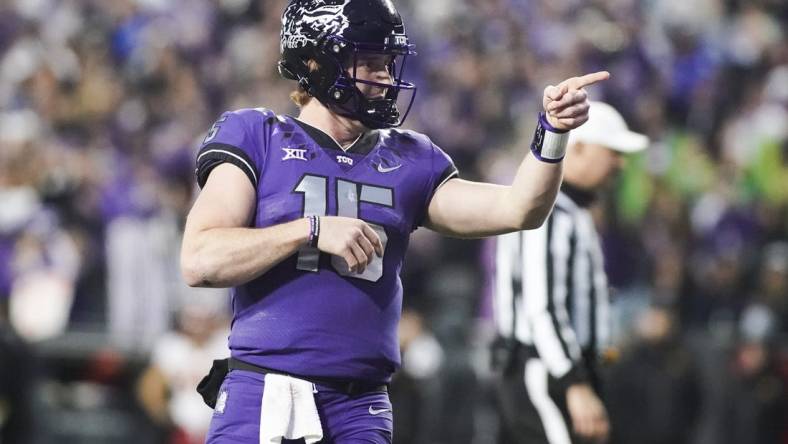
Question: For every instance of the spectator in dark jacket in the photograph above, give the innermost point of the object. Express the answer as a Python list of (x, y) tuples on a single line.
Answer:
[(654, 394)]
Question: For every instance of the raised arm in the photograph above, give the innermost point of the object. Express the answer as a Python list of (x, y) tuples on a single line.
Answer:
[(473, 209)]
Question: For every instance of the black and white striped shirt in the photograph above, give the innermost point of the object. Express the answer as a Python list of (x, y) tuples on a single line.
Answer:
[(551, 287)]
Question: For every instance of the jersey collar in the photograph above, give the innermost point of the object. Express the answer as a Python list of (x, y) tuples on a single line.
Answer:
[(363, 145)]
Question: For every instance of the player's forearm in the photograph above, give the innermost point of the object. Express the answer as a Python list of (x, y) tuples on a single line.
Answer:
[(527, 203), (226, 257), (473, 209)]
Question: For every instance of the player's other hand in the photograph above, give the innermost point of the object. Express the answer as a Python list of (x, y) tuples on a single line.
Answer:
[(566, 104), (589, 417), (351, 239)]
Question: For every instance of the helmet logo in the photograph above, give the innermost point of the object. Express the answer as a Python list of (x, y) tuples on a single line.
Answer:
[(303, 22)]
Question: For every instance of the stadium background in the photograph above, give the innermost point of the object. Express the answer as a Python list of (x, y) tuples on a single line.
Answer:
[(102, 105)]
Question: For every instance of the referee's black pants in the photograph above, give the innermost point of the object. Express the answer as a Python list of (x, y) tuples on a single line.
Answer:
[(532, 405)]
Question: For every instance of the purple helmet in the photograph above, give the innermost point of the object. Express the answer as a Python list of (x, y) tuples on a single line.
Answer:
[(334, 33)]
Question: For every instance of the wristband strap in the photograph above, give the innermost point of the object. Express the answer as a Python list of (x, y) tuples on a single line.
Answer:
[(314, 230), (549, 143)]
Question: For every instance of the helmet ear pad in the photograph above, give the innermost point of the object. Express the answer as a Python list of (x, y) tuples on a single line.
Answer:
[(321, 79), (330, 82)]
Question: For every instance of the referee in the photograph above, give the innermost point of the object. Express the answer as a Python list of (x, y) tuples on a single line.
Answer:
[(551, 299)]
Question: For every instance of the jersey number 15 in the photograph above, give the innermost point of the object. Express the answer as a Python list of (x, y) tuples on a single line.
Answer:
[(349, 197)]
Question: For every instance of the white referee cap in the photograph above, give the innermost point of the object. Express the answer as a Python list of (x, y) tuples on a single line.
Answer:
[(606, 127)]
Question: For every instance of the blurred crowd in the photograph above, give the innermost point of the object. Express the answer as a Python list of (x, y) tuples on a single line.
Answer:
[(102, 105)]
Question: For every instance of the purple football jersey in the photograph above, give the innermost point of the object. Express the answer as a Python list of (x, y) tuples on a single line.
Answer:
[(308, 315)]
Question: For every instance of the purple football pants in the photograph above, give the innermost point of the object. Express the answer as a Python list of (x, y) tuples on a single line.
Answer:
[(365, 418)]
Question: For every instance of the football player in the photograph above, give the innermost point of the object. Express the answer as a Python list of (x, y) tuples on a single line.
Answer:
[(308, 219)]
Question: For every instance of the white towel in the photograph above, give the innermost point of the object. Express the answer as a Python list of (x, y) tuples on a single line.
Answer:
[(288, 411)]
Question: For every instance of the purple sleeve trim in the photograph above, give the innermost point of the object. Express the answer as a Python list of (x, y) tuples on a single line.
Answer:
[(544, 159), (546, 124)]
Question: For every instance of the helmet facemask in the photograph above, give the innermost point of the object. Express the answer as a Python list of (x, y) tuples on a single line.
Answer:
[(346, 96)]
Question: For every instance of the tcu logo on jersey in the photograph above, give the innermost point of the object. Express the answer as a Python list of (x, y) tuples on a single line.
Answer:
[(294, 153), (345, 160)]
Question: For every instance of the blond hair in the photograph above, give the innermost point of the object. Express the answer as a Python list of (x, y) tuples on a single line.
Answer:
[(300, 97)]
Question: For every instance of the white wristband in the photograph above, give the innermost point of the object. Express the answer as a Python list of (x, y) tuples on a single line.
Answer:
[(549, 143)]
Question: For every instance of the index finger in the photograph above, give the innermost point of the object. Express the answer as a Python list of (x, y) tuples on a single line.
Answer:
[(588, 79)]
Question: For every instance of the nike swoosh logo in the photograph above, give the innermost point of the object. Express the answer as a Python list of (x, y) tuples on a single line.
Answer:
[(382, 169), (373, 411)]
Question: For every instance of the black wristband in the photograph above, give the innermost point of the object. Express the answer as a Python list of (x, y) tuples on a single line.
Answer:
[(314, 230)]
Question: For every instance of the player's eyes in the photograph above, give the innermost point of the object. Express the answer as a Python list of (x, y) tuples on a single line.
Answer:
[(375, 64)]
